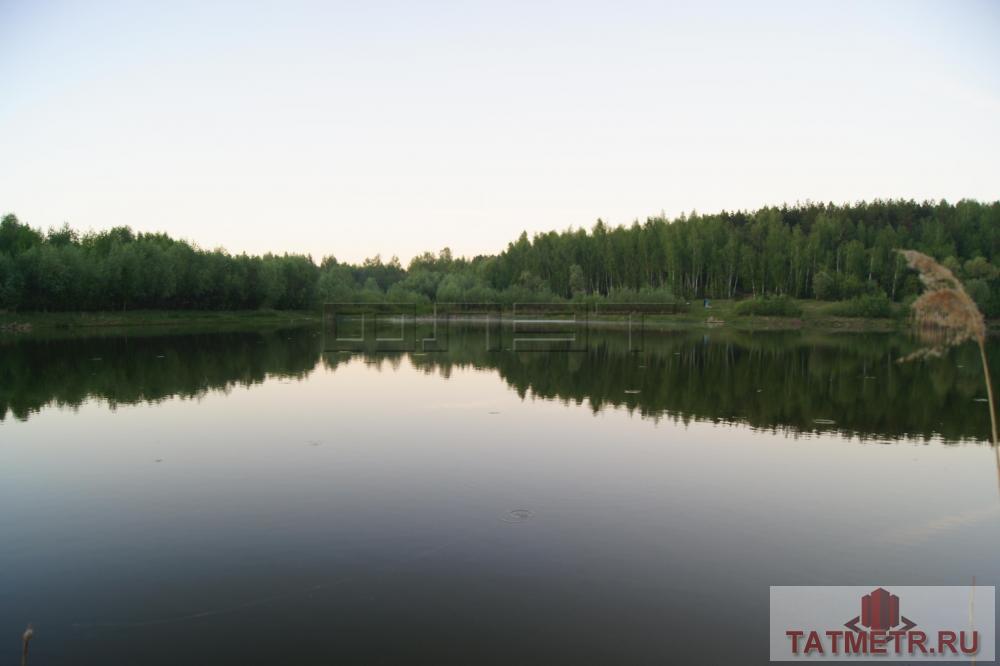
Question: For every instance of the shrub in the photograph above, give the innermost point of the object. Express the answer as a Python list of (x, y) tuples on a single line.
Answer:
[(874, 306), (644, 295), (775, 306), (825, 286), (852, 287)]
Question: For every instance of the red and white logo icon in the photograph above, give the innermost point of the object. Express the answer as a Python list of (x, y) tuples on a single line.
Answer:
[(880, 612)]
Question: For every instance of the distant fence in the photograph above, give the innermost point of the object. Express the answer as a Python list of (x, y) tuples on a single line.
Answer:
[(523, 327)]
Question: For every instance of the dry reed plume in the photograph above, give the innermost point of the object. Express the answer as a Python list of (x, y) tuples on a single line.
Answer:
[(945, 315)]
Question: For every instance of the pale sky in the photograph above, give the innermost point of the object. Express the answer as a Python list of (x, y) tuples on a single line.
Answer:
[(394, 127)]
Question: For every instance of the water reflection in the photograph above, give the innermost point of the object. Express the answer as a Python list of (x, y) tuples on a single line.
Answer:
[(375, 508), (792, 381)]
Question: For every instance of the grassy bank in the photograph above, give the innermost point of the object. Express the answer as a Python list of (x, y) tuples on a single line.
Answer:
[(794, 314), (28, 322), (800, 314), (803, 313)]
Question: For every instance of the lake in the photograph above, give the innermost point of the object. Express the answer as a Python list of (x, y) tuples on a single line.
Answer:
[(254, 497)]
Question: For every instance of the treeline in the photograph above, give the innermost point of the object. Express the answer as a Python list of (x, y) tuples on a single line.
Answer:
[(118, 269), (818, 251), (808, 251)]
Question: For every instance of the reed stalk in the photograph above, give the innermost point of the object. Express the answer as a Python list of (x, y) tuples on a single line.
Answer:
[(989, 390), (29, 633)]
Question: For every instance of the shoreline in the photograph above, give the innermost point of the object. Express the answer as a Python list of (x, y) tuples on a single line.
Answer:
[(813, 316), (16, 324)]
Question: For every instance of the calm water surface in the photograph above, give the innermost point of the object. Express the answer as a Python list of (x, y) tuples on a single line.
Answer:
[(246, 498)]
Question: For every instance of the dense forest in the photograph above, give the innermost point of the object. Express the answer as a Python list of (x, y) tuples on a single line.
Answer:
[(821, 251)]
